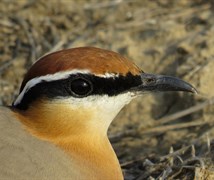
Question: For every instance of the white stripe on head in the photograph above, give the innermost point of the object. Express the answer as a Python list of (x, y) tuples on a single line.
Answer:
[(53, 77)]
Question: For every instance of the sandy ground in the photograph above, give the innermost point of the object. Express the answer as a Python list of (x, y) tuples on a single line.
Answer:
[(164, 135)]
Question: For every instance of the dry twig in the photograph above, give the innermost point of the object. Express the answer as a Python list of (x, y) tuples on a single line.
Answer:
[(107, 4), (29, 35), (185, 112), (161, 129)]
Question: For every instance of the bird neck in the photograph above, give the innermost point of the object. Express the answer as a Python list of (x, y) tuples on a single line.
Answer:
[(93, 156), (84, 140)]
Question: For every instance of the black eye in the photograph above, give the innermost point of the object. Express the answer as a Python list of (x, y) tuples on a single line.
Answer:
[(81, 87)]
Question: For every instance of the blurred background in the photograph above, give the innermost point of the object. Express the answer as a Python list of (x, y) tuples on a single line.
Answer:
[(164, 135)]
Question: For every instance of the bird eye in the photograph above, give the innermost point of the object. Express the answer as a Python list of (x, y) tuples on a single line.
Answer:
[(81, 87)]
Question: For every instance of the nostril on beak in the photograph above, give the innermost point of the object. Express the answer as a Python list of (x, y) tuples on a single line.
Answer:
[(150, 80)]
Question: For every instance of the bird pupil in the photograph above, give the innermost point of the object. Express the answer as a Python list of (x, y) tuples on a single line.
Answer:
[(80, 87)]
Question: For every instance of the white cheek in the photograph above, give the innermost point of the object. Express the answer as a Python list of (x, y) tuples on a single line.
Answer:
[(110, 106), (104, 107)]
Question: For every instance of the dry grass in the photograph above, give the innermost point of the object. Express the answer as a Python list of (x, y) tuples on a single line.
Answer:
[(164, 136)]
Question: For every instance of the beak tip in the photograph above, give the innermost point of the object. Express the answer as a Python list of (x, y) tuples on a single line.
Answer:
[(193, 90)]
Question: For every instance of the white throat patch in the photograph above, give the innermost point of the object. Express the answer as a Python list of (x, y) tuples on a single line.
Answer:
[(104, 107)]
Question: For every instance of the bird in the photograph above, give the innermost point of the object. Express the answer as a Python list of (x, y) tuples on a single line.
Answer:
[(57, 126)]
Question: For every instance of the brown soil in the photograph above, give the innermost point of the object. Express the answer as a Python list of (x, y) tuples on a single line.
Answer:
[(162, 37)]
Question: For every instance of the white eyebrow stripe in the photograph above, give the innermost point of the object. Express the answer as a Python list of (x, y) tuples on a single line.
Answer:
[(54, 77)]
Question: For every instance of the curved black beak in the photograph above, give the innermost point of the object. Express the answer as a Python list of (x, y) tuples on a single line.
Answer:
[(151, 82)]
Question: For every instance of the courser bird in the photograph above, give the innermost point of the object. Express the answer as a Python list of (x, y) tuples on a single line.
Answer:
[(57, 126)]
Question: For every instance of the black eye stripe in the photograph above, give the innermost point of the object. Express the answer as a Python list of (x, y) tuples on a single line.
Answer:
[(61, 88)]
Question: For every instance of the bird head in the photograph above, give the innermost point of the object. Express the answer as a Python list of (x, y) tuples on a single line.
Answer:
[(82, 89)]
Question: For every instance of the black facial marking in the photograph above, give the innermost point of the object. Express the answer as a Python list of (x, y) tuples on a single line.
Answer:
[(88, 84)]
